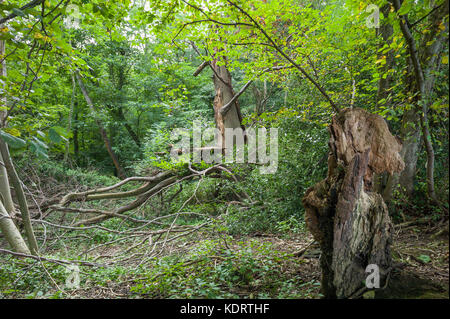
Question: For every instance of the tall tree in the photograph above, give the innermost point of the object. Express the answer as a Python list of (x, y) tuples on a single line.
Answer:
[(7, 226), (103, 133), (424, 64)]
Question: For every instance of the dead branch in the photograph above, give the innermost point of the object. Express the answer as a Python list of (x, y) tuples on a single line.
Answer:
[(57, 261)]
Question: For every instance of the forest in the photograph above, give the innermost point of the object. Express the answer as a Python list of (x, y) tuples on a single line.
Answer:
[(224, 149)]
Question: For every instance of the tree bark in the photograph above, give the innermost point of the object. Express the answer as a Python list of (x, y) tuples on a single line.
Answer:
[(11, 233), (260, 97), (410, 135), (20, 195), (415, 121), (224, 94), (118, 114), (349, 220), (119, 83)]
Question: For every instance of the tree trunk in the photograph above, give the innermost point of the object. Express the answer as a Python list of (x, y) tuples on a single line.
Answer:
[(5, 192), (118, 114), (11, 233), (410, 135), (69, 120), (260, 97), (20, 195), (423, 69), (76, 146), (413, 123), (7, 226), (120, 172), (349, 220), (224, 94)]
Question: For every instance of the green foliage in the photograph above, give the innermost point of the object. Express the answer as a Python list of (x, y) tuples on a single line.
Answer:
[(58, 171), (29, 278), (302, 162), (137, 63), (212, 270)]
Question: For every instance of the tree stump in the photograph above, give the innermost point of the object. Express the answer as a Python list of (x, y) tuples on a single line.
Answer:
[(350, 222)]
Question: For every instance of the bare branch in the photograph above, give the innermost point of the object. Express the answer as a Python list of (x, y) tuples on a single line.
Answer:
[(227, 106), (277, 48)]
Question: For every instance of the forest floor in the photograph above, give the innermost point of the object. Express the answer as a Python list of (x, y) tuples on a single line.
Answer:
[(211, 263), (422, 267)]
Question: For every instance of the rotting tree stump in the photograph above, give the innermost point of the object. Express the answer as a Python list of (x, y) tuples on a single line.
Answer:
[(350, 222)]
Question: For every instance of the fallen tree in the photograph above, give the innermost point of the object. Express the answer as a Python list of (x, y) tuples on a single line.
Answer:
[(77, 214)]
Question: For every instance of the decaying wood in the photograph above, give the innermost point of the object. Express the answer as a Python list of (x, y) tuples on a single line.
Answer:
[(224, 94), (350, 222), (355, 131)]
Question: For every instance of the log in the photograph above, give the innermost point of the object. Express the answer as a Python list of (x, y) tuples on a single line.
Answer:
[(349, 220)]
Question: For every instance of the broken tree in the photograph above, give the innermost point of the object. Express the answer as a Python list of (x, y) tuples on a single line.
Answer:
[(349, 220), (227, 113)]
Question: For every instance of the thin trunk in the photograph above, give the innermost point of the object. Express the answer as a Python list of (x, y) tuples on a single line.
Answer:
[(11, 233), (104, 135), (117, 110), (7, 226), (259, 99), (76, 147), (5, 192), (20, 195), (69, 121), (121, 117), (264, 101), (425, 80), (4, 183)]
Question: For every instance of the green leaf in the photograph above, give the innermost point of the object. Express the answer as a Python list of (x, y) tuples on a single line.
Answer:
[(62, 132), (12, 141), (406, 7), (38, 147), (18, 12), (54, 136), (425, 258)]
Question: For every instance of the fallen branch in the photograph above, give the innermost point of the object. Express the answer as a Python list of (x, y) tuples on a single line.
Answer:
[(57, 261)]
